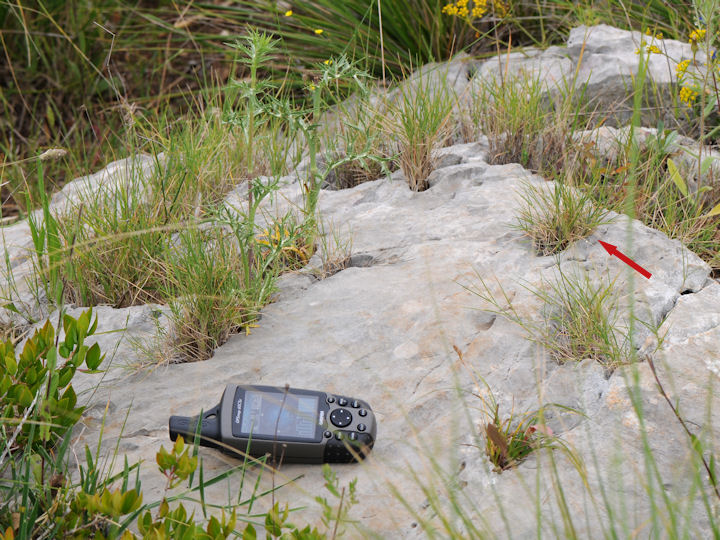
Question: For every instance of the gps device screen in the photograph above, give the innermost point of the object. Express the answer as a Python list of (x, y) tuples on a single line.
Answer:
[(279, 415)]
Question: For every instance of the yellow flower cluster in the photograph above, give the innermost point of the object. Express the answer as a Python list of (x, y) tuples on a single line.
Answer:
[(697, 35), (688, 95), (478, 10), (681, 68), (450, 9), (652, 48)]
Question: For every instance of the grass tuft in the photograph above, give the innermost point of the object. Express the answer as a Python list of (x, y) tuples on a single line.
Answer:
[(555, 215), (580, 318), (420, 123), (204, 282), (581, 321)]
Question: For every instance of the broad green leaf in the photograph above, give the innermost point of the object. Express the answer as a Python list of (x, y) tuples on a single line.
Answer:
[(83, 323), (51, 358), (65, 376), (23, 395), (676, 177), (71, 397), (68, 321), (249, 533), (5, 384), (71, 337), (93, 358), (11, 364), (79, 357)]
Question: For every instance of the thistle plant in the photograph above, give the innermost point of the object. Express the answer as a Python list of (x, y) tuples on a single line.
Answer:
[(256, 49), (324, 88)]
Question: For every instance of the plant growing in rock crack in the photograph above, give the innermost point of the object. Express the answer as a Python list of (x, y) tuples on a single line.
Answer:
[(528, 124), (335, 250), (357, 131), (582, 320), (555, 215), (331, 73), (419, 120), (511, 438), (210, 294), (580, 317)]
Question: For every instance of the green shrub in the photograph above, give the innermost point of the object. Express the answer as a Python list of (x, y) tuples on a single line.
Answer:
[(37, 383)]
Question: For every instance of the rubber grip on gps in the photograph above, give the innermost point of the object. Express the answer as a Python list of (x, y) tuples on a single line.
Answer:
[(187, 427)]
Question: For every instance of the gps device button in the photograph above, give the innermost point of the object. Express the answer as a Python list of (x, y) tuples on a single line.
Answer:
[(341, 417), (327, 434), (330, 399), (361, 427), (342, 401), (355, 404), (362, 412), (353, 436), (339, 435)]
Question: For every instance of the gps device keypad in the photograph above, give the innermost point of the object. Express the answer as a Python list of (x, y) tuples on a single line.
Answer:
[(341, 417)]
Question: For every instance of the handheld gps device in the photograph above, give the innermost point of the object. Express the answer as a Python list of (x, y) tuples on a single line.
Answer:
[(289, 424)]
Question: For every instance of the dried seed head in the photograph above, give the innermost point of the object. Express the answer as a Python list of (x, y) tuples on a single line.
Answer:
[(53, 153)]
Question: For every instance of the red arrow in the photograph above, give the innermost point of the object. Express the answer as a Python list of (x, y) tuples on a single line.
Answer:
[(613, 250)]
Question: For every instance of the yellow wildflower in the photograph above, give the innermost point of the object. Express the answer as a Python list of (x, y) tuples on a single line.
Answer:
[(463, 12), (478, 11), (327, 62), (653, 49), (688, 95), (318, 31), (462, 3), (681, 67), (288, 13), (450, 9), (697, 35)]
